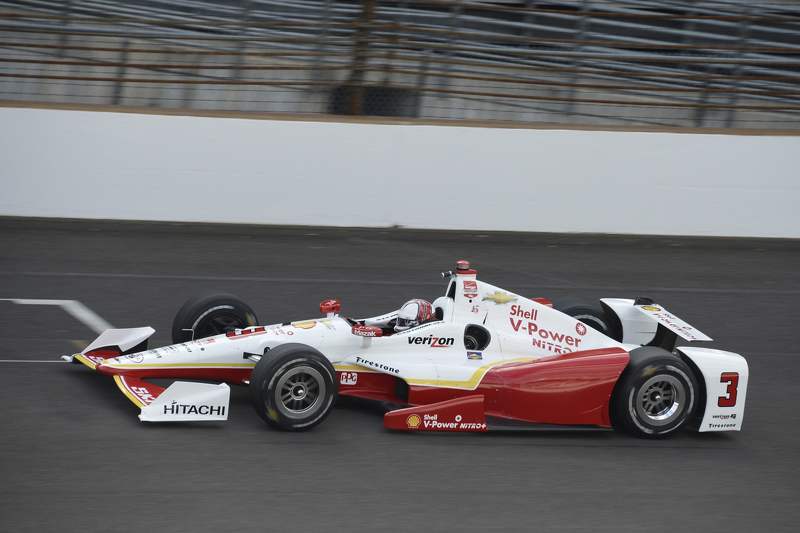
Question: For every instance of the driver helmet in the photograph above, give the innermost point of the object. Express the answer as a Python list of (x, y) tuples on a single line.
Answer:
[(412, 314)]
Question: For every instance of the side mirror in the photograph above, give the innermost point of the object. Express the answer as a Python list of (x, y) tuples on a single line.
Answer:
[(329, 307), (367, 332)]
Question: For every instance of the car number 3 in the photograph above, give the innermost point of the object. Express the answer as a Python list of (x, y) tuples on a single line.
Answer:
[(732, 379)]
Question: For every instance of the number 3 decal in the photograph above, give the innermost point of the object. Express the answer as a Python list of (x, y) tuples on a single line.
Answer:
[(732, 379)]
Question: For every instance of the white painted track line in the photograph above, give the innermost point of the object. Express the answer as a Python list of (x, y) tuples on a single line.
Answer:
[(75, 308)]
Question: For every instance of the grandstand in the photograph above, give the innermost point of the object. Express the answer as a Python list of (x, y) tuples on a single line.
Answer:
[(673, 63)]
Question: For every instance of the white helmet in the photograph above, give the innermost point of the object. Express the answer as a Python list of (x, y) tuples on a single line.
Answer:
[(412, 314)]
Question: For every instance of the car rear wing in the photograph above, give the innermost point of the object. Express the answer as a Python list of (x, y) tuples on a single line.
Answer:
[(645, 322)]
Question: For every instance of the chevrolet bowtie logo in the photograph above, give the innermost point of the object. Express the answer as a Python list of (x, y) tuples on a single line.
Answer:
[(500, 298)]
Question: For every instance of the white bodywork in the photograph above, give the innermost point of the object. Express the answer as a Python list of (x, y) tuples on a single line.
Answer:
[(185, 401), (433, 354), (725, 375)]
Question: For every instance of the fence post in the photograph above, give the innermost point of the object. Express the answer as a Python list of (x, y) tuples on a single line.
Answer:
[(355, 84), (577, 62), (120, 77), (733, 98)]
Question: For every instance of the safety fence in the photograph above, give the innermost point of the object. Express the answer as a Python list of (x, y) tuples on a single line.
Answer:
[(713, 63)]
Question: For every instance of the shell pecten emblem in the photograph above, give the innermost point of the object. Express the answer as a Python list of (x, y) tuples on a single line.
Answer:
[(413, 421)]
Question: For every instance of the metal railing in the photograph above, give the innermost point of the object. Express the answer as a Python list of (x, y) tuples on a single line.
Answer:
[(633, 62)]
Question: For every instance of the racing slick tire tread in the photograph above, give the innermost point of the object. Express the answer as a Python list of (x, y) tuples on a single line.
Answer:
[(293, 387), (211, 313), (655, 396), (587, 313)]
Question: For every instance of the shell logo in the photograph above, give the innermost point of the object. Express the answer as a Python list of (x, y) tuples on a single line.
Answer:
[(304, 325), (650, 308), (413, 421)]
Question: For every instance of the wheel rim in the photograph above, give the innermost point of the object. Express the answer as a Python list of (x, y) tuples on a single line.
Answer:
[(299, 392), (659, 400)]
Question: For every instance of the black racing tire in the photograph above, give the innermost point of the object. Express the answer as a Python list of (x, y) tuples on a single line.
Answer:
[(211, 313), (656, 395), (592, 316), (293, 387)]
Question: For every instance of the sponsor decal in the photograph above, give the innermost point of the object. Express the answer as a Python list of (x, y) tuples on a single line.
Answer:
[(241, 333), (724, 417), (376, 365), (431, 421), (95, 359), (143, 394), (474, 356), (366, 331), (471, 289), (278, 330), (349, 378), (205, 410), (500, 298), (171, 349), (200, 342), (413, 421), (547, 340), (517, 310), (580, 328), (328, 323), (471, 425), (304, 325), (676, 323), (187, 347), (710, 425), (135, 357), (435, 342), (651, 308)]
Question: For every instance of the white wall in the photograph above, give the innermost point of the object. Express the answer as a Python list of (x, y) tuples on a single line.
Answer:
[(81, 164)]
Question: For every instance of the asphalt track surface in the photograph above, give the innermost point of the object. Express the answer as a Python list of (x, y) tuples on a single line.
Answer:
[(75, 457)]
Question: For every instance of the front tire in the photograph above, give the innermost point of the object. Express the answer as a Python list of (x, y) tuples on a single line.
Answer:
[(211, 313), (656, 395), (293, 387)]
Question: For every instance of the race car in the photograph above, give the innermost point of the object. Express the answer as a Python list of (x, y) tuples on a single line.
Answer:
[(478, 358)]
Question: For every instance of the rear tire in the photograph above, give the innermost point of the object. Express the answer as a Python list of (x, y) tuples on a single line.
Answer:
[(657, 394), (211, 313), (587, 313), (293, 387)]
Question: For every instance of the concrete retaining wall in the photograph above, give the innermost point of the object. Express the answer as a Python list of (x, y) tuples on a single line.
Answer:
[(84, 164)]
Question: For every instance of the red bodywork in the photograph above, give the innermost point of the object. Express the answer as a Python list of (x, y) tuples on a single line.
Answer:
[(564, 389)]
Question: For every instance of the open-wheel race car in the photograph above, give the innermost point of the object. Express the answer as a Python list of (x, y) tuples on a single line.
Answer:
[(478, 358)]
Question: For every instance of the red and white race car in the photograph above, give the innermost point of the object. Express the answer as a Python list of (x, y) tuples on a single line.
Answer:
[(478, 358)]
